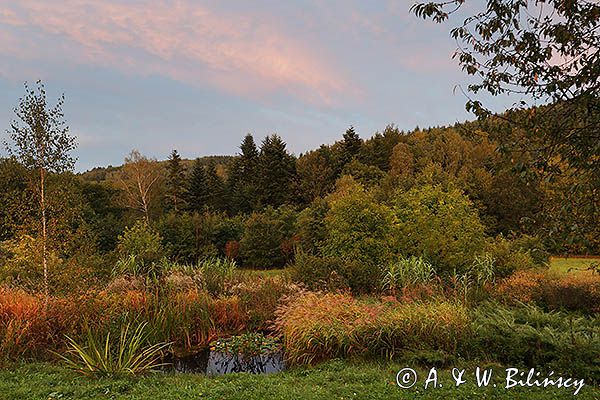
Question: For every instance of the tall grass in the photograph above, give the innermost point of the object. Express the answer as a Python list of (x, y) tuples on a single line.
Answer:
[(323, 326), (406, 272)]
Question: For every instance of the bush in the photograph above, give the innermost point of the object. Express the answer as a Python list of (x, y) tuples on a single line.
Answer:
[(574, 292), (178, 236), (441, 225), (528, 336), (140, 248), (358, 228), (264, 235), (322, 326), (335, 273), (534, 246), (510, 257)]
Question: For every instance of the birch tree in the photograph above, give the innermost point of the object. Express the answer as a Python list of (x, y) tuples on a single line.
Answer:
[(40, 140)]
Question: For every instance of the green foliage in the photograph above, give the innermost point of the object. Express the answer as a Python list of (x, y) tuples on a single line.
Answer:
[(358, 227), (335, 273), (197, 193), (275, 174), (529, 336), (177, 233), (128, 355), (350, 146), (266, 234), (176, 182), (140, 245), (367, 175), (441, 225), (21, 262), (248, 344), (217, 273), (310, 226), (407, 271)]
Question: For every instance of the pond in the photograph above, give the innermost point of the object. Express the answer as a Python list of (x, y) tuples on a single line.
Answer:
[(218, 363)]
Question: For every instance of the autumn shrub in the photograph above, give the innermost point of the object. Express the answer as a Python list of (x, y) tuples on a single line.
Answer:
[(358, 228), (321, 326), (334, 273), (510, 257), (264, 234), (531, 337), (140, 250), (440, 224), (522, 286), (574, 292), (260, 298)]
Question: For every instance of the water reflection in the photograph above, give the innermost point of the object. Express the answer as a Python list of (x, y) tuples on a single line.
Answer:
[(219, 363)]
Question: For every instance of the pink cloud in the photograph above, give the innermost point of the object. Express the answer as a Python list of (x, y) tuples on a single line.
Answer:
[(181, 40)]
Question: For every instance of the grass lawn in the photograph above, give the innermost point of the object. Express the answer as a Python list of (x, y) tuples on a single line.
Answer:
[(562, 265), (332, 380)]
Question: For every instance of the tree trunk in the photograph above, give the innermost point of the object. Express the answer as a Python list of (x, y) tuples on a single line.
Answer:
[(44, 236)]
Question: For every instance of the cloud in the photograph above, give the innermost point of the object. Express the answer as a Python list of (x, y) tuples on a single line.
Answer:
[(242, 54)]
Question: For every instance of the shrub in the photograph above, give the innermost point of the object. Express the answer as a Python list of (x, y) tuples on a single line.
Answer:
[(322, 326), (529, 336), (140, 248), (510, 257), (522, 286), (442, 225), (534, 246), (335, 273), (264, 234), (358, 228), (574, 292), (178, 236)]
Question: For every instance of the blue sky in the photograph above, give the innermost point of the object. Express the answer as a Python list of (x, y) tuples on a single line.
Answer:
[(197, 76)]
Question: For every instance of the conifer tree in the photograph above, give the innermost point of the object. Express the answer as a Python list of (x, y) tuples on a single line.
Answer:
[(242, 179), (197, 190), (276, 172), (350, 146), (214, 184), (176, 182)]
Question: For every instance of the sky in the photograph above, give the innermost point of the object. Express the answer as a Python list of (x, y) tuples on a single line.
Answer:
[(196, 76)]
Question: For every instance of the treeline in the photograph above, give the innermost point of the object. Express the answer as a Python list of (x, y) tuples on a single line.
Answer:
[(265, 204)]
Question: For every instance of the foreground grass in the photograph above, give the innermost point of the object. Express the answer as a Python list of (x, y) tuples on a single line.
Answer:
[(563, 265), (332, 380)]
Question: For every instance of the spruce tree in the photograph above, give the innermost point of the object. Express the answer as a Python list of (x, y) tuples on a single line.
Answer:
[(242, 178), (351, 145), (175, 182), (197, 190), (276, 172), (214, 184)]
